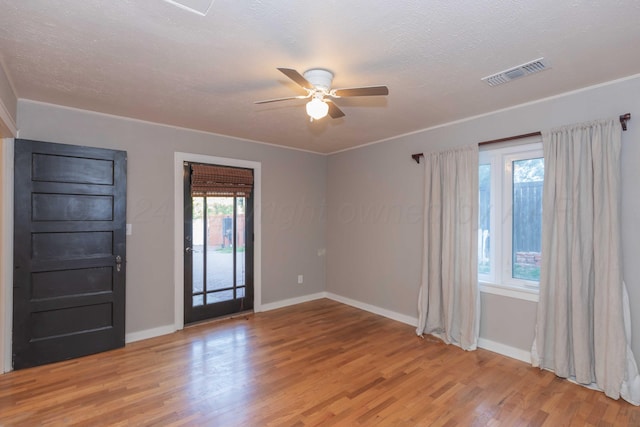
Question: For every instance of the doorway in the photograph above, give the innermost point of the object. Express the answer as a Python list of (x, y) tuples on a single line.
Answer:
[(218, 241)]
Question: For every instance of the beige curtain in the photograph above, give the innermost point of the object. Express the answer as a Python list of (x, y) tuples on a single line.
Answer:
[(448, 301), (581, 331)]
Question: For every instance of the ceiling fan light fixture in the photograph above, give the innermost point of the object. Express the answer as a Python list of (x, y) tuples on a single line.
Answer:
[(317, 108), (317, 83)]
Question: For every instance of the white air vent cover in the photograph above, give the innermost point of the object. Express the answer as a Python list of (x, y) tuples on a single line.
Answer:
[(523, 70)]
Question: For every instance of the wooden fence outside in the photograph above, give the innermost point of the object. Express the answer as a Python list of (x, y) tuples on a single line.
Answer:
[(527, 223)]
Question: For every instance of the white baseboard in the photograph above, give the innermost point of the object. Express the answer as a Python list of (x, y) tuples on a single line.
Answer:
[(149, 333), (292, 301), (403, 318), (168, 329), (505, 350), (496, 347)]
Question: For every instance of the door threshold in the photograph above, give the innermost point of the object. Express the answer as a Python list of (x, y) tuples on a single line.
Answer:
[(246, 314)]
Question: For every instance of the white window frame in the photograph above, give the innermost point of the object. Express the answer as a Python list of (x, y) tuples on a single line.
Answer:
[(499, 280)]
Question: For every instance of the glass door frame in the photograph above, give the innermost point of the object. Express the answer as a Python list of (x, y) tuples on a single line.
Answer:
[(209, 311)]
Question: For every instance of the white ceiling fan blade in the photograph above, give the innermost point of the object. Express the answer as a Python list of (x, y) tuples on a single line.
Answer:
[(296, 77), (334, 111), (281, 99), (361, 91)]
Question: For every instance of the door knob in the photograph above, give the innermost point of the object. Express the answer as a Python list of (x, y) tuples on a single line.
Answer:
[(118, 263), (187, 249)]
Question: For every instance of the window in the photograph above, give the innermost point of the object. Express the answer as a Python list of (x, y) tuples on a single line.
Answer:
[(510, 216)]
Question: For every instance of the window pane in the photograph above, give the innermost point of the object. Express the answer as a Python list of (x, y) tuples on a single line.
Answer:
[(484, 220), (198, 300), (219, 243), (219, 296), (240, 240), (526, 244), (197, 247)]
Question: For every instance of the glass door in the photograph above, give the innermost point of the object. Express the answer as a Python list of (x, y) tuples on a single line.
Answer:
[(218, 255)]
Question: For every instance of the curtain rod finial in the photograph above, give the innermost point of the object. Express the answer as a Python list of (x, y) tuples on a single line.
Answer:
[(624, 119), (416, 157)]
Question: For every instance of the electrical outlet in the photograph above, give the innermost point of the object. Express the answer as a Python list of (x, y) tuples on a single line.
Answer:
[(300, 279)]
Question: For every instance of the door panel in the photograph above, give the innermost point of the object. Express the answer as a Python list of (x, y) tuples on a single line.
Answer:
[(52, 284), (56, 168), (63, 321), (69, 251), (71, 207), (60, 246)]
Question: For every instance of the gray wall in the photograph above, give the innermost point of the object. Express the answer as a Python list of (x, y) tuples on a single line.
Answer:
[(293, 190), (375, 197)]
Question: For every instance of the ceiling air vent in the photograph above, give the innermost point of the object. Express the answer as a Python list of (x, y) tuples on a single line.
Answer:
[(523, 70)]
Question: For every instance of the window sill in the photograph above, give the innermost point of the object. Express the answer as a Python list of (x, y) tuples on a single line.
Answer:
[(509, 291)]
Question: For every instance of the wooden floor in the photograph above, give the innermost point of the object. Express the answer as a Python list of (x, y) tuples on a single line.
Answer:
[(318, 363)]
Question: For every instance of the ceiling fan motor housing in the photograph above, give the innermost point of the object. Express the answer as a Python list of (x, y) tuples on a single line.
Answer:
[(320, 78)]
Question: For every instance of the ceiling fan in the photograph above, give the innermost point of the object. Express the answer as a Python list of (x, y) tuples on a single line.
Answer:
[(317, 83)]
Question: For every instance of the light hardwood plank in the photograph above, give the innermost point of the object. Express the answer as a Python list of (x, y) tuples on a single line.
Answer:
[(320, 363)]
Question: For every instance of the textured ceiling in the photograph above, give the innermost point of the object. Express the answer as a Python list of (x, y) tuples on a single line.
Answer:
[(151, 60)]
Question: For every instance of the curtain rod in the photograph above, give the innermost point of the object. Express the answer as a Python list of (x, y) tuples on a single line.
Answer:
[(623, 122)]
